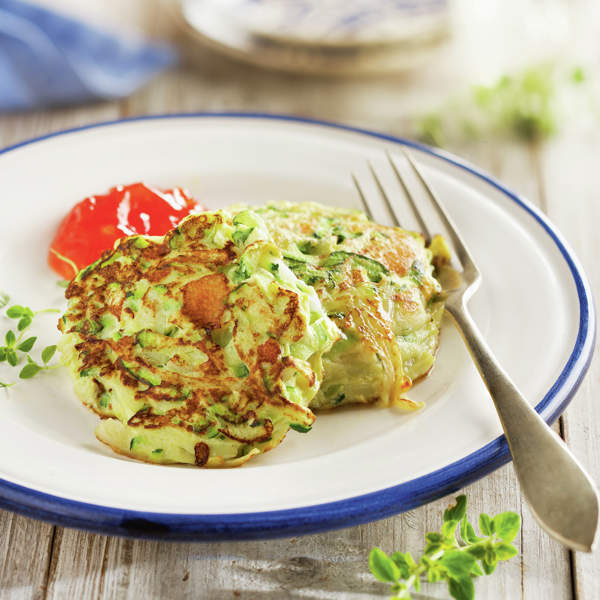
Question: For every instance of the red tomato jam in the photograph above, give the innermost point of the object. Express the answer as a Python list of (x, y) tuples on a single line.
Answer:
[(94, 224)]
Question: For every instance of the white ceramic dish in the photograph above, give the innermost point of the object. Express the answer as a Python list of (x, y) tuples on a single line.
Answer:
[(347, 38), (356, 465)]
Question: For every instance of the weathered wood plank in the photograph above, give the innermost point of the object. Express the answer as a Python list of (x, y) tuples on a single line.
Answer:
[(569, 166), (22, 126), (25, 551), (77, 566), (330, 565)]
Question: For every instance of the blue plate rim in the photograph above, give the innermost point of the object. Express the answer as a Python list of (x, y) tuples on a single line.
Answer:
[(331, 515)]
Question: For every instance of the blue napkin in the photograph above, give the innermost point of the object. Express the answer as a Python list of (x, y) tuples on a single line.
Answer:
[(47, 59)]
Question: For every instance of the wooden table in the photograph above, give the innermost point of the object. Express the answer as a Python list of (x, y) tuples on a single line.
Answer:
[(42, 561)]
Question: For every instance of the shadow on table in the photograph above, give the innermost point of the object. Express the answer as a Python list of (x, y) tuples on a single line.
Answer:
[(325, 566)]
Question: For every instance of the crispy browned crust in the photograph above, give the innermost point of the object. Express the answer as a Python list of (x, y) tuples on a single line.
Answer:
[(201, 452), (204, 299)]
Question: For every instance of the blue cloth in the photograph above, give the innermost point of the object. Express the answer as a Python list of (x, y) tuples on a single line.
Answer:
[(47, 58)]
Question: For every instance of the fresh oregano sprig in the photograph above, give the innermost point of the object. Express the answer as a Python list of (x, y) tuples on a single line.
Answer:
[(456, 554), (525, 106), (17, 346)]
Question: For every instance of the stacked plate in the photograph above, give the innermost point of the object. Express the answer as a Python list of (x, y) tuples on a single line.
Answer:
[(331, 36)]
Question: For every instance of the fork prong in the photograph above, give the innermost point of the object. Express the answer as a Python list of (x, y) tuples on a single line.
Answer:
[(415, 211), (383, 197), (382, 191), (363, 198), (443, 222), (371, 196)]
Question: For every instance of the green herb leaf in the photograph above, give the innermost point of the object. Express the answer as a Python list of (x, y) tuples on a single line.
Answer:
[(27, 345), (29, 371), (24, 322), (4, 300), (435, 543), (15, 312), (458, 563), (505, 551), (48, 353), (10, 338), (432, 549), (12, 358), (449, 529), (486, 524), (445, 558), (403, 564), (461, 589), (488, 567), (507, 525), (15, 345), (458, 510), (382, 566), (477, 550), (467, 531)]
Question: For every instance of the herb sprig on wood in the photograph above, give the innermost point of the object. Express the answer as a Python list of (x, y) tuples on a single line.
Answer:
[(17, 345), (456, 554), (526, 106)]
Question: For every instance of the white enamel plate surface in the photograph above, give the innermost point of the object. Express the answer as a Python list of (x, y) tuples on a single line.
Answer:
[(356, 465)]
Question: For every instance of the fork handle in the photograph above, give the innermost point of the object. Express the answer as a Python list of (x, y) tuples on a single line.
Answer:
[(563, 498)]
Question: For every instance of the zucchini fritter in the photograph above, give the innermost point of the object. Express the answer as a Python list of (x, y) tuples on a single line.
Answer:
[(198, 347), (377, 284)]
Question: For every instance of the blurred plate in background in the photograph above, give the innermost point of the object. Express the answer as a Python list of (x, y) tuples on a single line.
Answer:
[(336, 36)]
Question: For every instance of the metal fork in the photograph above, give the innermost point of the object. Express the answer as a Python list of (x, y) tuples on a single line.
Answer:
[(561, 495)]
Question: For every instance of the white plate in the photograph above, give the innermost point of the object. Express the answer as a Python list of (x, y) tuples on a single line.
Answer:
[(316, 37), (356, 465)]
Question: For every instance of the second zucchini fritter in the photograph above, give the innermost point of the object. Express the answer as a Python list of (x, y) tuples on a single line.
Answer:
[(377, 283)]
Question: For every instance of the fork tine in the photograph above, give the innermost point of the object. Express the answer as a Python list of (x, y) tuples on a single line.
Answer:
[(421, 222), (439, 222), (384, 198), (363, 198), (403, 214), (381, 189), (371, 196)]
